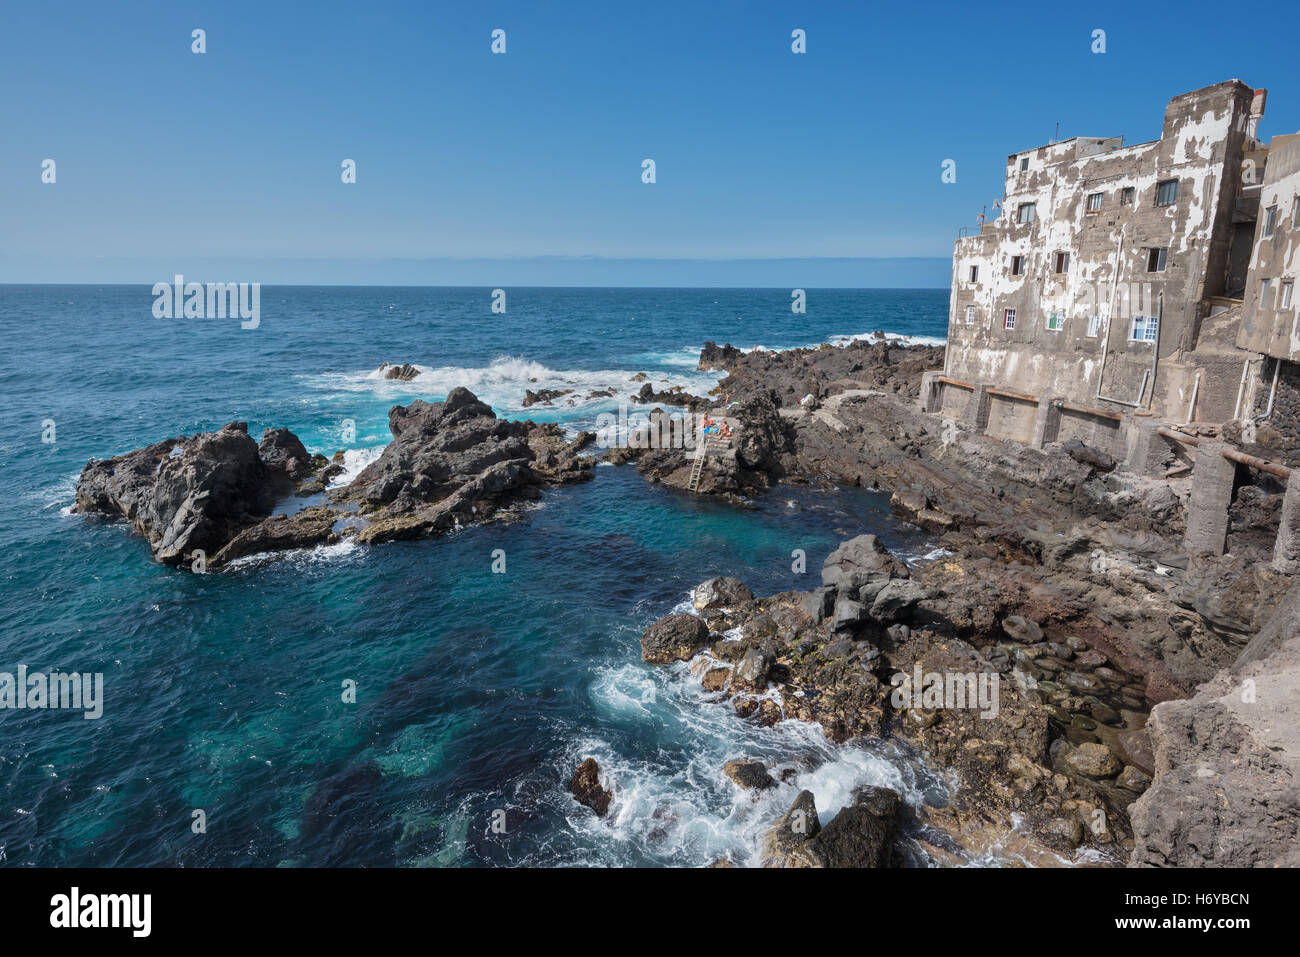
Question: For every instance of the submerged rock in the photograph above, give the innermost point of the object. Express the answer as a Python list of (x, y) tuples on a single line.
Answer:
[(750, 775)]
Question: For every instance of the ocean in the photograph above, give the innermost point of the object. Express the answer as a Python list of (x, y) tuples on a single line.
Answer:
[(225, 740)]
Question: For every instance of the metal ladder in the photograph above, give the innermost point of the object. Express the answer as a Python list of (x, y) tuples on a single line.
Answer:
[(697, 468)]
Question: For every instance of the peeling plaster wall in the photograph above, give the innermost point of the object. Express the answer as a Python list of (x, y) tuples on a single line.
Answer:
[(1201, 146), (1267, 326)]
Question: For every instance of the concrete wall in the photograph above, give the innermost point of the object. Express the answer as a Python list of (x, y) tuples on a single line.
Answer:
[(1201, 146), (1011, 419)]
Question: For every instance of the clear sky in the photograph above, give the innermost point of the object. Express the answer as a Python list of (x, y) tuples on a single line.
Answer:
[(172, 161)]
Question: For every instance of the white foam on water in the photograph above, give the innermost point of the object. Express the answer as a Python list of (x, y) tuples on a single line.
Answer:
[(354, 460), (302, 557), (896, 338)]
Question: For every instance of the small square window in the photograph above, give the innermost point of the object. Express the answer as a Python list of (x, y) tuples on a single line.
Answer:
[(970, 315), (1024, 163), (1062, 262), (1157, 256), (1025, 213), (1094, 201), (1167, 192), (1127, 195), (1055, 322), (1270, 221), (974, 273), (1144, 329), (1287, 288), (1094, 325), (1009, 319)]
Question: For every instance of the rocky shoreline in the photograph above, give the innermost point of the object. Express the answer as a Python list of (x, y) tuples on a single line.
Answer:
[(1148, 698), (1145, 705)]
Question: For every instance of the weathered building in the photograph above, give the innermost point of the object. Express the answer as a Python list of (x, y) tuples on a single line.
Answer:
[(1142, 299), (1112, 275)]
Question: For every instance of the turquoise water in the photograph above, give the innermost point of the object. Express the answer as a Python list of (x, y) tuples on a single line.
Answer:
[(476, 692)]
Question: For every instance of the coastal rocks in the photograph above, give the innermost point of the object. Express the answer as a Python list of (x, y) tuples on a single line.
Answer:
[(720, 593), (587, 790), (186, 494), (453, 463), (674, 395), (1021, 629), (791, 831), (403, 373), (281, 449), (860, 561), (860, 835), (752, 670), (305, 529), (1093, 761), (673, 638), (749, 775), (543, 396)]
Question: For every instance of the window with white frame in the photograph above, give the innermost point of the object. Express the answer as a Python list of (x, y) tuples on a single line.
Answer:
[(1270, 221), (1295, 211), (1025, 213), (1263, 292), (1024, 163), (1094, 325), (1055, 322), (1009, 319), (1287, 288), (970, 315), (1157, 257), (1017, 265), (1127, 195), (1094, 201), (974, 273), (1062, 262), (1167, 192), (1144, 329)]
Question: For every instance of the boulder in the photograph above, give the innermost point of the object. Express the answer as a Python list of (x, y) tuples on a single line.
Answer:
[(848, 613), (1093, 760), (857, 562), (1022, 629), (791, 831), (749, 775), (860, 835), (403, 373), (751, 672), (720, 593), (281, 449), (897, 599), (585, 786), (819, 603), (674, 638)]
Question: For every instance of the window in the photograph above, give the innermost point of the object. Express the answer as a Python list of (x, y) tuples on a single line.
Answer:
[(1167, 192), (1144, 329), (1062, 262), (1156, 258), (1055, 322), (1024, 163), (1295, 211), (1094, 201), (1286, 294), (974, 273), (1094, 325), (1270, 221), (970, 315), (1017, 265), (1009, 319), (1025, 213), (1127, 195), (1263, 292)]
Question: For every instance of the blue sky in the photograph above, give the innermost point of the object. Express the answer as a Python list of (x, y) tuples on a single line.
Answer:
[(170, 161)]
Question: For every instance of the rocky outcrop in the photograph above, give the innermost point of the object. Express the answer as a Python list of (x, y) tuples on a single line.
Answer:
[(587, 790), (860, 835), (674, 395), (720, 593), (450, 463), (1226, 789), (192, 494), (749, 775), (674, 638), (403, 373)]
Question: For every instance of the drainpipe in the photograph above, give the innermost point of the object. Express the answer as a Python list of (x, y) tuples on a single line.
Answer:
[(1191, 406), (1110, 310), (1241, 388), (1272, 393)]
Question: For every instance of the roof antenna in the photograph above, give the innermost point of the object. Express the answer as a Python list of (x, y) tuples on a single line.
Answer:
[(1057, 135)]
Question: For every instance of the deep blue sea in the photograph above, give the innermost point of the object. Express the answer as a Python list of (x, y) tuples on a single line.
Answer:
[(477, 693)]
